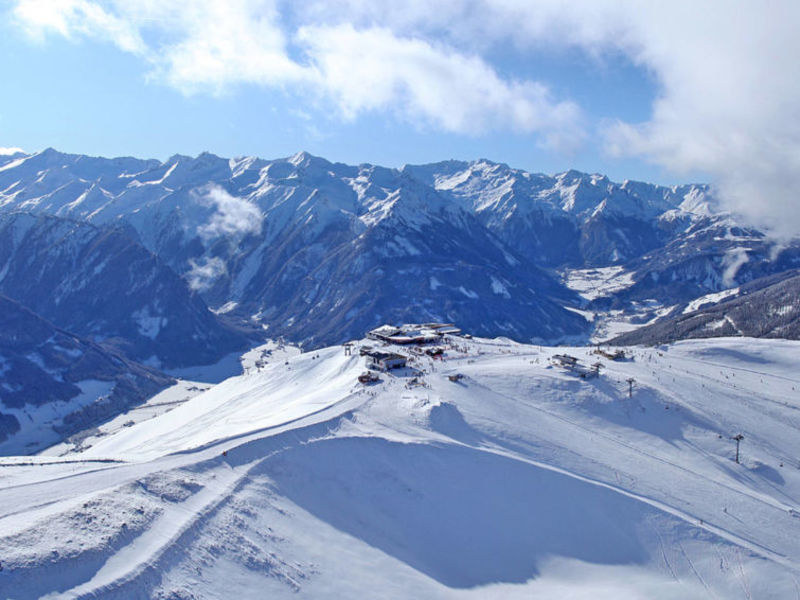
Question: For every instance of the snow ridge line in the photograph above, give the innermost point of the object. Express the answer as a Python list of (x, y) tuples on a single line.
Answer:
[(277, 429), (49, 463), (145, 554)]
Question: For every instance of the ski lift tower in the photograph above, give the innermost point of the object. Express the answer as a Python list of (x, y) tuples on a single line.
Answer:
[(737, 438)]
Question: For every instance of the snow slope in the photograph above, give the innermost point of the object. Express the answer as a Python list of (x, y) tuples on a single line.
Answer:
[(517, 480)]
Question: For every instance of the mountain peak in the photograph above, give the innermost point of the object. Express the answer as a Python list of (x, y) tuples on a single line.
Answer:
[(572, 175), (306, 159), (176, 158)]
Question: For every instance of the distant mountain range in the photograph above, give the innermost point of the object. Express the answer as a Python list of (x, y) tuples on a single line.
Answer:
[(100, 283), (184, 261), (319, 251)]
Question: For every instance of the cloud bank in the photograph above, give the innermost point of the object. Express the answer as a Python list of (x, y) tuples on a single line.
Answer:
[(728, 98), (209, 46)]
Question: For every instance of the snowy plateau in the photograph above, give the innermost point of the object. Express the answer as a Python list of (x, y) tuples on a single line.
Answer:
[(186, 410), (490, 472)]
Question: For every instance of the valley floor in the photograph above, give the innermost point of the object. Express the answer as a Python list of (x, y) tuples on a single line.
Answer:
[(518, 479)]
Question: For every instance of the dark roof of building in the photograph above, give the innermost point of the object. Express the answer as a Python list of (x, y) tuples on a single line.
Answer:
[(378, 355)]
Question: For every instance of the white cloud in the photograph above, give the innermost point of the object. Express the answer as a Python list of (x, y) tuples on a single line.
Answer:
[(233, 216), (208, 45), (729, 103), (203, 274), (73, 18), (733, 261), (372, 69), (11, 151), (212, 45)]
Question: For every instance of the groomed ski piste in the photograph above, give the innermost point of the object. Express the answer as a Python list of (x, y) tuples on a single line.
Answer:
[(514, 478)]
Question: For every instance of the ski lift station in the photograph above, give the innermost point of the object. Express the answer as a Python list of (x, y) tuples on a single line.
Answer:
[(564, 360), (424, 333), (570, 364), (385, 361)]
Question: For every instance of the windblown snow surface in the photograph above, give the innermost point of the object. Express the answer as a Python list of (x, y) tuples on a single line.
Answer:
[(518, 480)]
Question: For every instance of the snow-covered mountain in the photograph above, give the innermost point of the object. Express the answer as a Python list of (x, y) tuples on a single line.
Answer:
[(768, 307), (100, 283), (673, 242), (53, 383), (314, 250), (489, 473), (570, 219), (709, 256), (319, 252)]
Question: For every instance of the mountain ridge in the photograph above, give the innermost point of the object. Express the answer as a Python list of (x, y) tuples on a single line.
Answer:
[(263, 237)]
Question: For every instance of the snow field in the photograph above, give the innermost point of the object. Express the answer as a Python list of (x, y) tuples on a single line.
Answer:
[(518, 480)]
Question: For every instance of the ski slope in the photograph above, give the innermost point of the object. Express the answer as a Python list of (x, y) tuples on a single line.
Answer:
[(517, 480)]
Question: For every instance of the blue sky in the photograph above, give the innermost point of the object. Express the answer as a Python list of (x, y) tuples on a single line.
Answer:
[(86, 95), (664, 92)]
